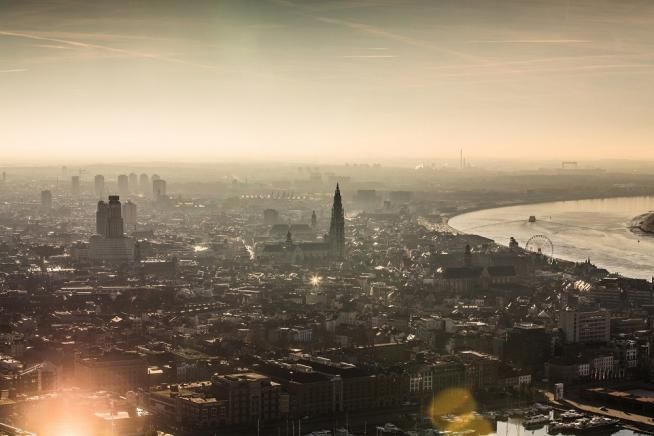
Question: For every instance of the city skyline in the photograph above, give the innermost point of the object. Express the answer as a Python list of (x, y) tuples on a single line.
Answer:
[(325, 80), (326, 217)]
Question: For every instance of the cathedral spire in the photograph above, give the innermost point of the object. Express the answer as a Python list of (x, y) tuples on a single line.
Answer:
[(337, 226)]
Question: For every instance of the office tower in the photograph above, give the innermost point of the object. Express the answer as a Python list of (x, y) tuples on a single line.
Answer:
[(115, 218), (108, 218), (133, 182), (110, 244), (99, 186), (337, 227), (123, 185), (75, 186), (144, 183), (158, 188), (129, 216), (46, 200), (102, 219)]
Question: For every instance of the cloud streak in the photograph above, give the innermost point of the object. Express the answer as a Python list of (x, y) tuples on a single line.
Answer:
[(85, 45)]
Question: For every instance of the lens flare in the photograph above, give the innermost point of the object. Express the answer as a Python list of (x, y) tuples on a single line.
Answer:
[(453, 410)]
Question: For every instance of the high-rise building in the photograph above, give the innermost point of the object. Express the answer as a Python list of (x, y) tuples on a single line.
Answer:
[(158, 188), (133, 182), (46, 200), (110, 243), (115, 218), (337, 227), (129, 215), (123, 185), (99, 186), (108, 218), (74, 186), (585, 326), (144, 183)]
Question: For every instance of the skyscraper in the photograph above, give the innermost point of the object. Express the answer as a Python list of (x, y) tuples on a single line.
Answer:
[(337, 227), (99, 186), (74, 186), (129, 215), (108, 218), (110, 244), (123, 185), (46, 200), (115, 218)]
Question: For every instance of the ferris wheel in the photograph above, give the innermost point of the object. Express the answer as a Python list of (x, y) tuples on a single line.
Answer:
[(540, 244)]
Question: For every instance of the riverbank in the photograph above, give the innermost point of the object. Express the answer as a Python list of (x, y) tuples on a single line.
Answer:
[(643, 224), (472, 209)]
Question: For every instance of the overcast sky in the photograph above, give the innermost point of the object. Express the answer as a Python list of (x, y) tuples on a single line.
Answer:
[(326, 80)]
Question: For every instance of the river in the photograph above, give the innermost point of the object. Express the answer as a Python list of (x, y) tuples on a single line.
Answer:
[(580, 229)]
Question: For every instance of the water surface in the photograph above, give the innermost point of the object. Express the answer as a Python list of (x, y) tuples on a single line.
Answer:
[(581, 229)]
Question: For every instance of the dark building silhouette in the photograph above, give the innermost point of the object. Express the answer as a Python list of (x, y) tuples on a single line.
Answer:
[(115, 219), (110, 244), (108, 218), (337, 227)]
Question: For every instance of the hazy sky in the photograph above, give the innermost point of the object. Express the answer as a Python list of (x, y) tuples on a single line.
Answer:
[(319, 79)]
